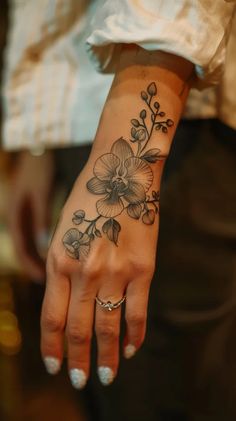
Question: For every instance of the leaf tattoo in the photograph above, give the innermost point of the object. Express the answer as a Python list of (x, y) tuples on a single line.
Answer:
[(112, 228), (122, 178)]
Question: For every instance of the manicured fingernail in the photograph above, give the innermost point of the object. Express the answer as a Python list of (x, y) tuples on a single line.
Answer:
[(129, 351), (52, 365), (105, 375), (78, 378)]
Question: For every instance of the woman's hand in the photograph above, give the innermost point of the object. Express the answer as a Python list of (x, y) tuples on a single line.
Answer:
[(29, 210), (105, 242), (99, 265)]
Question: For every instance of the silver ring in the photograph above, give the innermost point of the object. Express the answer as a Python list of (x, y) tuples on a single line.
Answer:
[(108, 305)]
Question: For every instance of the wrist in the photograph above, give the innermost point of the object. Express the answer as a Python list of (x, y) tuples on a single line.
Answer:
[(137, 70)]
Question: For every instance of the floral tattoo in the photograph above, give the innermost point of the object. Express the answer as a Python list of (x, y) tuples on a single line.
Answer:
[(122, 178)]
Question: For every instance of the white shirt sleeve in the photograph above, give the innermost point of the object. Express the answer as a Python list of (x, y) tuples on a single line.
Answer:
[(52, 94), (194, 29)]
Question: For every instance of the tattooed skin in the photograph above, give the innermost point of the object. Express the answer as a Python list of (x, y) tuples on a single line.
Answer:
[(122, 179)]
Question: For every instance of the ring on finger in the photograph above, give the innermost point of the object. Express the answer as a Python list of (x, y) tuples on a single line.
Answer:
[(108, 305)]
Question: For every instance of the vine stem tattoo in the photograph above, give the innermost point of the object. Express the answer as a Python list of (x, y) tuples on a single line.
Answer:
[(122, 178)]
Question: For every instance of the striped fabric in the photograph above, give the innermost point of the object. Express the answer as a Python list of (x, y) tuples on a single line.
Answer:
[(53, 96)]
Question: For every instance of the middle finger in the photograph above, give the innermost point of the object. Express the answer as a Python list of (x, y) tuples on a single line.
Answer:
[(79, 332)]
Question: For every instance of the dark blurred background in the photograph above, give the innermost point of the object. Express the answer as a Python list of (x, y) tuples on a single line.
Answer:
[(27, 393)]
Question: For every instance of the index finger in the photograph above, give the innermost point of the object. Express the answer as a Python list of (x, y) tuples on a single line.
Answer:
[(53, 321)]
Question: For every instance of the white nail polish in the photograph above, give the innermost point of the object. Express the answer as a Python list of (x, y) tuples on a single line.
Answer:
[(52, 365), (78, 378), (129, 351), (105, 375)]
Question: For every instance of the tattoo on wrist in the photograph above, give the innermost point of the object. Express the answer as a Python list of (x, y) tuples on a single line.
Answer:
[(122, 178)]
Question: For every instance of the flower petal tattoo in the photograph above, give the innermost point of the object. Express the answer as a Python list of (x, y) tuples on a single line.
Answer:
[(122, 178), (76, 243)]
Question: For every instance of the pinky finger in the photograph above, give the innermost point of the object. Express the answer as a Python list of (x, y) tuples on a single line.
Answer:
[(136, 317)]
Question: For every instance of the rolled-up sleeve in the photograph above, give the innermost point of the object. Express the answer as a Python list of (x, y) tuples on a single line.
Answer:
[(194, 29)]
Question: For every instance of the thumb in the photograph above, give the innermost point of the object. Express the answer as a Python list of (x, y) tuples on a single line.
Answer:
[(41, 224)]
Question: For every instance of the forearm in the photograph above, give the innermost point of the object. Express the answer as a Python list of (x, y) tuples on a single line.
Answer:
[(134, 136), (138, 69), (135, 132)]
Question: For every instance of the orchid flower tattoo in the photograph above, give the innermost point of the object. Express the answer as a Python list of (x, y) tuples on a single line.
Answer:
[(122, 179)]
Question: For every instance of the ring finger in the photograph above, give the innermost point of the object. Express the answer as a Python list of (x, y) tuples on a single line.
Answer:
[(107, 326)]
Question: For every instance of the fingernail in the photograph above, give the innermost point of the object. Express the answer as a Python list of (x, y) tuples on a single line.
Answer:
[(78, 378), (106, 375), (52, 365), (129, 351)]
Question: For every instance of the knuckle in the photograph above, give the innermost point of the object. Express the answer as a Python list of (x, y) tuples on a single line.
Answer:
[(143, 268), (77, 337), (136, 320), (51, 323), (53, 262), (107, 333), (91, 271), (118, 268), (118, 271), (59, 264)]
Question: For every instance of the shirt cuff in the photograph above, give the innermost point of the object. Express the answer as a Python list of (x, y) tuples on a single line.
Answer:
[(195, 30)]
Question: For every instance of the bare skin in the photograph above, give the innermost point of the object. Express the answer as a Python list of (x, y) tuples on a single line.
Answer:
[(111, 269), (30, 205)]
